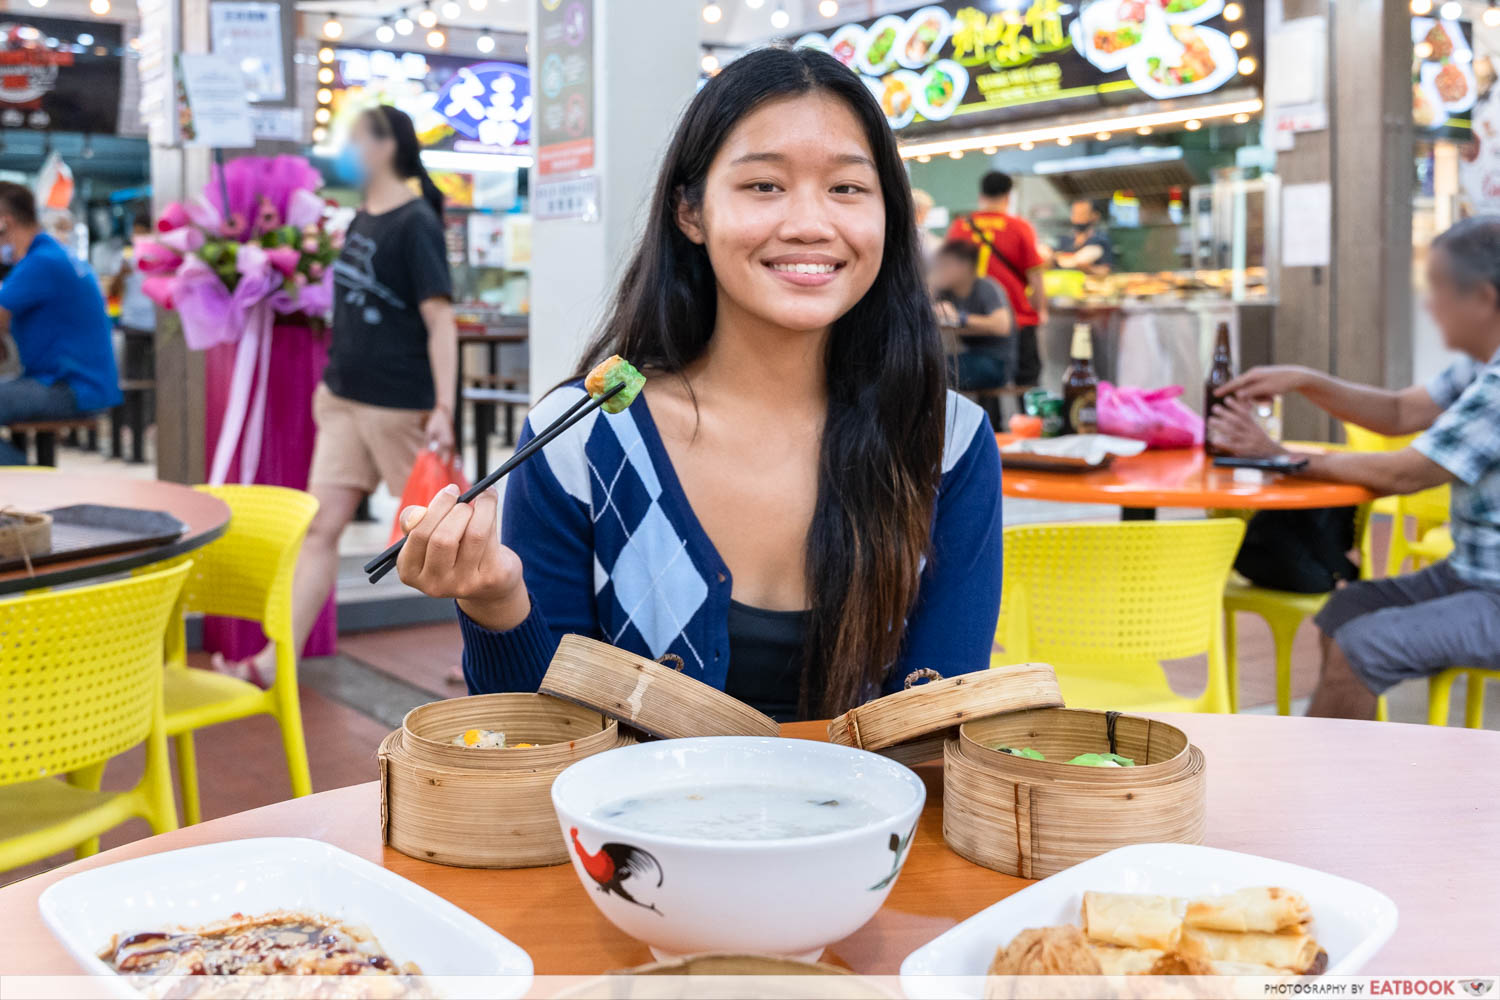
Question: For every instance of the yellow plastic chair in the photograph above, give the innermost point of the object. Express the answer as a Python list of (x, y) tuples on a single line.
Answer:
[(81, 681), (245, 574), (1106, 603), (1428, 509), (1440, 692)]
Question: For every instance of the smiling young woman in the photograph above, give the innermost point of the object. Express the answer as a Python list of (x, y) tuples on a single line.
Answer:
[(796, 508)]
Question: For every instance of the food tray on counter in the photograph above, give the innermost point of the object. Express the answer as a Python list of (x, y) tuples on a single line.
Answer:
[(89, 529)]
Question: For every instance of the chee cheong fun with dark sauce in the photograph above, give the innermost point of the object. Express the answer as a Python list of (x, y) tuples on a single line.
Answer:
[(279, 943)]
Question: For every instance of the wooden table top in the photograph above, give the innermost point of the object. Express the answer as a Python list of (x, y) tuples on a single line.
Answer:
[(206, 518), (1409, 810), (1184, 477)]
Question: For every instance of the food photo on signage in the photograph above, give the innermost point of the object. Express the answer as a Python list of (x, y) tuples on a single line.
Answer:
[(957, 63)]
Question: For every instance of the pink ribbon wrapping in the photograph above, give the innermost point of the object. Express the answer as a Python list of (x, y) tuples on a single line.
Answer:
[(244, 413)]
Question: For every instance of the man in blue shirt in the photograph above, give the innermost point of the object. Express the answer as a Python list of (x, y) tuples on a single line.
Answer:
[(58, 321)]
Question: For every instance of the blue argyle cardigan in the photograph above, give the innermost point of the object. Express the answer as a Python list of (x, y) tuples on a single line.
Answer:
[(611, 549)]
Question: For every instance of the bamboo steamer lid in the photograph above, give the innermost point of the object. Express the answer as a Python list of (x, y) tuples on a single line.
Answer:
[(1033, 818), (484, 807), (911, 725), (645, 695)]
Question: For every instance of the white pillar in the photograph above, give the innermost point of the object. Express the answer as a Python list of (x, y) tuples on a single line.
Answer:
[(645, 67)]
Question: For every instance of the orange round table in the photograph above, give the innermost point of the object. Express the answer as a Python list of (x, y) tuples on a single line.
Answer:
[(1178, 478)]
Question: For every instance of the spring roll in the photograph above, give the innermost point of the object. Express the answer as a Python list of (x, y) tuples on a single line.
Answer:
[(1132, 920), (1117, 961), (1293, 952), (1260, 909)]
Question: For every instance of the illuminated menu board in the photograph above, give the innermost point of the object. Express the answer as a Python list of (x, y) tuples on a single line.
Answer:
[(961, 64)]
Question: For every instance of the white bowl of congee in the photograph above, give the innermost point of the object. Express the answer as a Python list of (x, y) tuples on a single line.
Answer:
[(742, 844)]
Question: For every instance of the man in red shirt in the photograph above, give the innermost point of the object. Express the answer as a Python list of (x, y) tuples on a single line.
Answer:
[(1008, 254)]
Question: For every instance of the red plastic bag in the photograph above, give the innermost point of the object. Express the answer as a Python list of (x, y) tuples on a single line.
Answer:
[(428, 475), (1155, 416)]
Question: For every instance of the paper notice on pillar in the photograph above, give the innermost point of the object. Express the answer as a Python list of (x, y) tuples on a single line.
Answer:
[(574, 196), (564, 86), (217, 112), (1306, 224)]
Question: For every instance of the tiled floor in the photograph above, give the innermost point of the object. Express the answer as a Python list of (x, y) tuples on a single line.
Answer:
[(350, 701)]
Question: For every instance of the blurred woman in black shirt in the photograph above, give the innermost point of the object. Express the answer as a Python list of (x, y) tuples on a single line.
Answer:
[(388, 391)]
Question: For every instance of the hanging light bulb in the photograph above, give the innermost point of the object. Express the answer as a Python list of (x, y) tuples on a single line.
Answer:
[(451, 10), (325, 96), (319, 134), (712, 12), (828, 8), (1239, 39), (322, 115), (1102, 136), (325, 75), (1144, 130), (709, 62), (404, 26), (436, 39), (485, 43), (333, 27), (427, 17), (1241, 118), (325, 55), (478, 4), (1064, 140), (1192, 124), (1452, 10), (1026, 145), (1247, 66), (780, 18), (99, 7), (956, 154), (924, 158), (385, 34), (1491, 16), (1233, 12), (990, 150), (1421, 7)]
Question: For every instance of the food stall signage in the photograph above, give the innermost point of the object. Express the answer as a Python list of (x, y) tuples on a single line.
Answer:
[(956, 63), (56, 73), (456, 104)]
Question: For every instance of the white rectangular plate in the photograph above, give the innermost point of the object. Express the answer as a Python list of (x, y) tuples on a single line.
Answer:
[(197, 885), (1351, 921)]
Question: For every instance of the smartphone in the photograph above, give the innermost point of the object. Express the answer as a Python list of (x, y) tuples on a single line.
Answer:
[(1280, 463)]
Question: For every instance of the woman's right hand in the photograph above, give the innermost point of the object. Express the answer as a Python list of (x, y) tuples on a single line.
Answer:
[(453, 550), (1267, 381)]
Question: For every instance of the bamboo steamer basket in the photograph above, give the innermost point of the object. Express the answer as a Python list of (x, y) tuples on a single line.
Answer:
[(912, 725), (484, 807), (708, 980), (1033, 818), (647, 696), (24, 534)]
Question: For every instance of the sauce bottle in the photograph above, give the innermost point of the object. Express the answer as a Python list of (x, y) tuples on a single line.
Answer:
[(1080, 386), (1220, 371)]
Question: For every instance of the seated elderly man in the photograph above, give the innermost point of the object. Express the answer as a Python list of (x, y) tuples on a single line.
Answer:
[(1378, 632)]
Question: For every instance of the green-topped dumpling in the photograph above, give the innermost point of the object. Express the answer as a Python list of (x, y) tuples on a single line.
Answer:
[(609, 373), (1102, 760), (1026, 752)]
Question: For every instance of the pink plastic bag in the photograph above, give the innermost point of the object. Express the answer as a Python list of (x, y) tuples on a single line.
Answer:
[(1155, 416)]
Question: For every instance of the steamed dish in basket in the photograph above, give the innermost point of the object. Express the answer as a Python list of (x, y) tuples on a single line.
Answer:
[(1263, 931), (486, 739)]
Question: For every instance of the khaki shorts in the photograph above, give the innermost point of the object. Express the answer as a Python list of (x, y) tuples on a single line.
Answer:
[(360, 445)]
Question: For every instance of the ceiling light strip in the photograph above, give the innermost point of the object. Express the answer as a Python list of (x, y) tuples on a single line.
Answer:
[(1073, 130)]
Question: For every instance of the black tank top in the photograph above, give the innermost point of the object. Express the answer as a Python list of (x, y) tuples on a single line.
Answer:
[(765, 659)]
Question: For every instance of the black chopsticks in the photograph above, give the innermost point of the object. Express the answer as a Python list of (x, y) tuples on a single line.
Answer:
[(386, 561)]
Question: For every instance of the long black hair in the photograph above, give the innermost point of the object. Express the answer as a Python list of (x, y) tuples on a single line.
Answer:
[(387, 122), (880, 457)]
